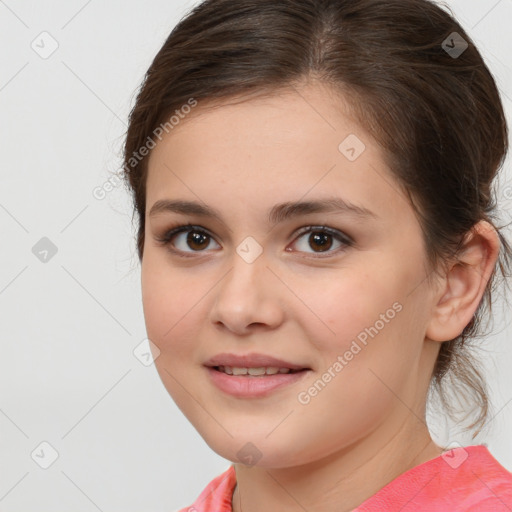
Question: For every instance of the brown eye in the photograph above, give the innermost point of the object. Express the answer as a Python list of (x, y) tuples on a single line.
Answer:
[(186, 239), (197, 240), (322, 239)]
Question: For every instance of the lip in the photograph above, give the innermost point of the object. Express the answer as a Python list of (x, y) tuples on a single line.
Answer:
[(253, 360), (253, 387)]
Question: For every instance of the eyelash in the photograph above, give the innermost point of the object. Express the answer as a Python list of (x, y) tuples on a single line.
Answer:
[(166, 238)]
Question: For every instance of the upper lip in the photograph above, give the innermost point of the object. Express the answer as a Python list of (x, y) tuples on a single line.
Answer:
[(251, 361)]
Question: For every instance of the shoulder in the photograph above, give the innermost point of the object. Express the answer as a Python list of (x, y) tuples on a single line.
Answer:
[(469, 479), (216, 495), (464, 479), (488, 483)]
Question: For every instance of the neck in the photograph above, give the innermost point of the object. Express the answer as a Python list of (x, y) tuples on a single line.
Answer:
[(340, 482)]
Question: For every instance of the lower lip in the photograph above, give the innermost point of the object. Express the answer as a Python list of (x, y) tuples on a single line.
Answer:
[(253, 387)]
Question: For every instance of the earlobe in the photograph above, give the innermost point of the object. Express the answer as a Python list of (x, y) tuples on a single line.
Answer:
[(464, 284)]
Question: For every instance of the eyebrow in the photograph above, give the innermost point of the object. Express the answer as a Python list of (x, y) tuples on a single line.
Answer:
[(277, 214)]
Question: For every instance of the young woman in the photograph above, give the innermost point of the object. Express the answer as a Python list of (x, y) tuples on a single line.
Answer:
[(316, 229)]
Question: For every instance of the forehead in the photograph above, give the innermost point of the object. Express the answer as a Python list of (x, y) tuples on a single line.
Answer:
[(275, 147), (286, 116)]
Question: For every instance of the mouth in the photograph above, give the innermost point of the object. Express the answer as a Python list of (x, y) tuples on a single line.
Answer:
[(254, 364), (254, 382), (261, 371)]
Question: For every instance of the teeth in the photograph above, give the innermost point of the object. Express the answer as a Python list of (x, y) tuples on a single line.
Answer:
[(269, 370), (256, 371)]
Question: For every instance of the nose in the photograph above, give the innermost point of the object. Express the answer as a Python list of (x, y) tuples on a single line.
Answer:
[(248, 297)]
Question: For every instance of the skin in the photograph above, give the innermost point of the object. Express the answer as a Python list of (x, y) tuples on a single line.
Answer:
[(367, 425)]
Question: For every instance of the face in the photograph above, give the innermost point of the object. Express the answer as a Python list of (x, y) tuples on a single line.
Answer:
[(338, 292)]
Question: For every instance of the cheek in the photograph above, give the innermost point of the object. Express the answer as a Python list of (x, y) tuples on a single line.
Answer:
[(363, 327), (343, 306), (170, 302)]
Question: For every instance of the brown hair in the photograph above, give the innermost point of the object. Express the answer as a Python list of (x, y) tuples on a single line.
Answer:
[(437, 114)]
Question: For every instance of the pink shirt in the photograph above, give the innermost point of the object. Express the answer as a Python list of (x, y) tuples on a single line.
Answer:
[(464, 479)]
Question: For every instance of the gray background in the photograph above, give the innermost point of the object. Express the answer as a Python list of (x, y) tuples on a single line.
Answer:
[(68, 374)]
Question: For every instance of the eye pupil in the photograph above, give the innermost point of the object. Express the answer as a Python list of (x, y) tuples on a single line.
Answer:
[(194, 237), (319, 238)]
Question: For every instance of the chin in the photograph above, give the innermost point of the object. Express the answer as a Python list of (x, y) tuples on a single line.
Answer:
[(257, 451)]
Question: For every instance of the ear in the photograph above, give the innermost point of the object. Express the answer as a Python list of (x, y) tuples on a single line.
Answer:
[(464, 284)]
